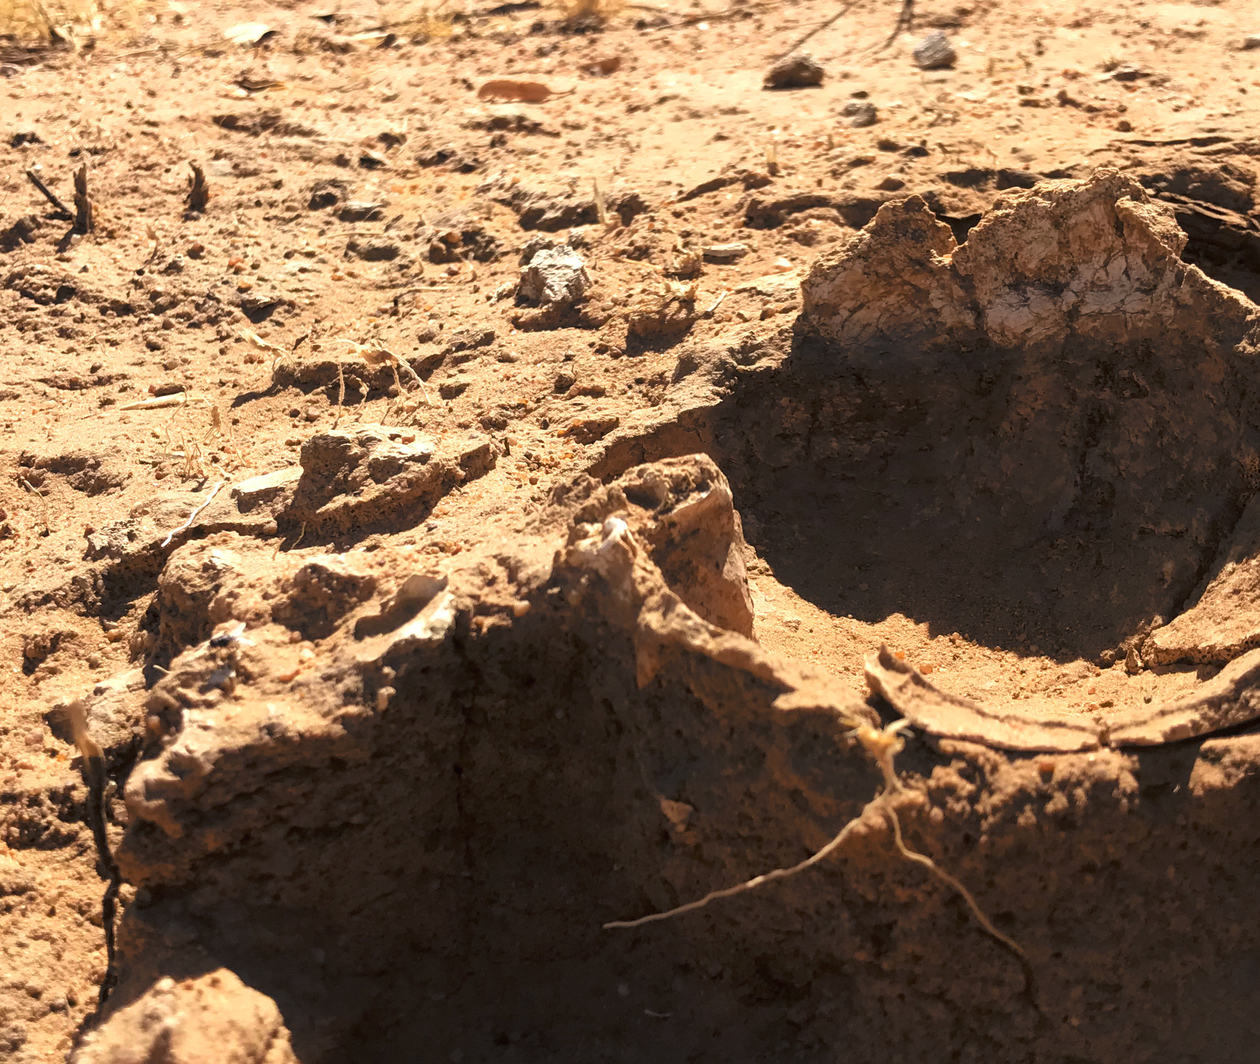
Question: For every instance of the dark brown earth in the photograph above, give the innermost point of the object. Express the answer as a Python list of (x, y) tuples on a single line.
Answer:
[(484, 519)]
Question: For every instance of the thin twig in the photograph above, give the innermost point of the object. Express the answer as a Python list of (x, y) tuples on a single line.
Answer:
[(905, 23), (817, 29), (193, 516), (62, 210)]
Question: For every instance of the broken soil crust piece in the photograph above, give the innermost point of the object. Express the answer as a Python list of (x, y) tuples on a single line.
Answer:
[(661, 315), (554, 275), (369, 478), (1228, 700), (215, 582), (208, 1020), (683, 511), (374, 476)]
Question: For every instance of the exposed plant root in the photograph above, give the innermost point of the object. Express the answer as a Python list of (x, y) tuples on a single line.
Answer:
[(756, 881), (952, 881), (96, 777), (882, 744)]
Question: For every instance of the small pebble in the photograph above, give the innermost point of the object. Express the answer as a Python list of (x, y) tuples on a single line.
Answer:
[(860, 114), (720, 253), (935, 52), (794, 72)]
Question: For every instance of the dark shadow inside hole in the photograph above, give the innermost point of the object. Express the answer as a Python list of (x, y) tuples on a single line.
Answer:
[(1231, 256), (1048, 502)]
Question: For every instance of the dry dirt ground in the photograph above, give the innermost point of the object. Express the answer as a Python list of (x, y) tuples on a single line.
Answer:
[(426, 627)]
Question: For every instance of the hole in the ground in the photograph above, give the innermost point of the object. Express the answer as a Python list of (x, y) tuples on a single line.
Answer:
[(1051, 505), (1215, 201), (1013, 459)]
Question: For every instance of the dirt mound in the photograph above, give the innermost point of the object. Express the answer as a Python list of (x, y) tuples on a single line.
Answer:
[(546, 737), (1045, 432), (439, 738), (661, 570), (196, 1021)]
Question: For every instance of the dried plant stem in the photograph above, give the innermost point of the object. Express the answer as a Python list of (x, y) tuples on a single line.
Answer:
[(84, 208), (198, 194), (48, 194), (341, 391), (193, 516)]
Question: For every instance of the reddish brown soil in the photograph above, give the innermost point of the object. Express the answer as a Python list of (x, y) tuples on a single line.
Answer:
[(364, 198)]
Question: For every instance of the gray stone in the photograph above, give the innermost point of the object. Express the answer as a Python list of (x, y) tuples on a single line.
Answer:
[(794, 72), (554, 275), (935, 52), (860, 113)]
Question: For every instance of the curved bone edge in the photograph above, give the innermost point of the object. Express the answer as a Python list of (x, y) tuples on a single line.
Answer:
[(933, 710)]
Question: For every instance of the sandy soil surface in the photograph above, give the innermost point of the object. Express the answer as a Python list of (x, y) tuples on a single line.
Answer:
[(375, 197)]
